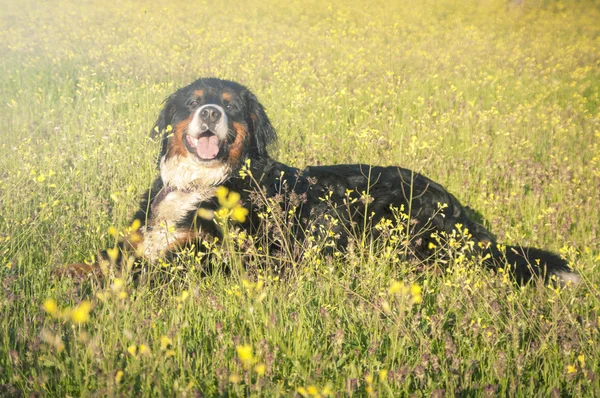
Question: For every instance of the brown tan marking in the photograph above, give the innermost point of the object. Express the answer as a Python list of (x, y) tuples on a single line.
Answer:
[(199, 93), (226, 96), (183, 239), (238, 145), (176, 144)]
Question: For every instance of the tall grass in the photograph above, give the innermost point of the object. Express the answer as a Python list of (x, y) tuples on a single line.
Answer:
[(496, 100)]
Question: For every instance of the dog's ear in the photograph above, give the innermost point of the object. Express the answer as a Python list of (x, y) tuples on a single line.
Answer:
[(263, 131), (162, 127)]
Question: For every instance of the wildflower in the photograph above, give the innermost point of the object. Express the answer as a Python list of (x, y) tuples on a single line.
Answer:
[(230, 207), (206, 214), (571, 369), (383, 375), (221, 194), (81, 313), (165, 342), (118, 376), (395, 288), (132, 350), (260, 369), (169, 353), (245, 354), (239, 214), (50, 307), (117, 285), (113, 253), (326, 391), (302, 391), (144, 349), (234, 378), (135, 225), (415, 291)]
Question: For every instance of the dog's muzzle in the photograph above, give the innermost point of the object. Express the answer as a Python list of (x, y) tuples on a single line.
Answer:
[(207, 130)]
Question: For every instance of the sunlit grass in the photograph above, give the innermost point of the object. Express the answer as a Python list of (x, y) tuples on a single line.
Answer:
[(495, 100)]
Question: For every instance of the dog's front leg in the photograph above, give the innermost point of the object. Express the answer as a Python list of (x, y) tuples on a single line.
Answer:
[(169, 225)]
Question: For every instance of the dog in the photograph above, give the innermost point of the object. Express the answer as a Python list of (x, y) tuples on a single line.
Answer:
[(215, 133)]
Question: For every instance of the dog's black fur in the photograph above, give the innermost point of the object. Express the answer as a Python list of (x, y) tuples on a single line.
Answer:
[(192, 166)]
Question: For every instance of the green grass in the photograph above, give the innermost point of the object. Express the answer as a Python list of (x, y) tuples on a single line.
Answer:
[(497, 101)]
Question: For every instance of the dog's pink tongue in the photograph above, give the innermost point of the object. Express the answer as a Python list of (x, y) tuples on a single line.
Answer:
[(208, 147)]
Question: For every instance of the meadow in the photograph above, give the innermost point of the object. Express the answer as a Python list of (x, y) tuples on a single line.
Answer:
[(497, 100)]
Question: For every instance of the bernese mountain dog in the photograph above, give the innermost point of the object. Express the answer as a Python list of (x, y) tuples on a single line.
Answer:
[(215, 134)]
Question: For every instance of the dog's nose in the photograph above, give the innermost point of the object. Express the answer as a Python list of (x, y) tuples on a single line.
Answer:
[(210, 115)]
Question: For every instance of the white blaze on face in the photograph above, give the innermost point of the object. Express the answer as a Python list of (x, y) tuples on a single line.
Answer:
[(197, 126), (204, 138), (182, 171)]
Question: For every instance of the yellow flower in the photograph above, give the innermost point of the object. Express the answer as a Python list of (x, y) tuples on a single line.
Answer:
[(165, 342), (221, 194), (113, 253), (396, 287), (206, 214), (232, 200), (222, 213), (118, 376), (245, 354), (132, 349), (581, 359), (383, 375), (117, 285), (326, 391), (239, 214), (169, 353), (184, 295), (234, 379), (312, 390), (571, 369), (302, 391), (415, 289), (144, 349), (50, 307), (260, 369), (81, 313), (135, 225)]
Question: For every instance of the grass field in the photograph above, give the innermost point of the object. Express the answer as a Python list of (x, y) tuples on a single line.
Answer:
[(496, 100)]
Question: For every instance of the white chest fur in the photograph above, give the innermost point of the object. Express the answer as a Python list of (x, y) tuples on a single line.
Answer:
[(161, 232)]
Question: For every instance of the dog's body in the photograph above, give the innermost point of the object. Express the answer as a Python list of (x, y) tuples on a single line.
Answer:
[(214, 128)]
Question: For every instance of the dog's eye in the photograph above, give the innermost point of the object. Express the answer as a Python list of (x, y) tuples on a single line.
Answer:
[(228, 107), (193, 103)]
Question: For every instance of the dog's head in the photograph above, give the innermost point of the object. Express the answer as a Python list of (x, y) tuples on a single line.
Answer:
[(208, 129)]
